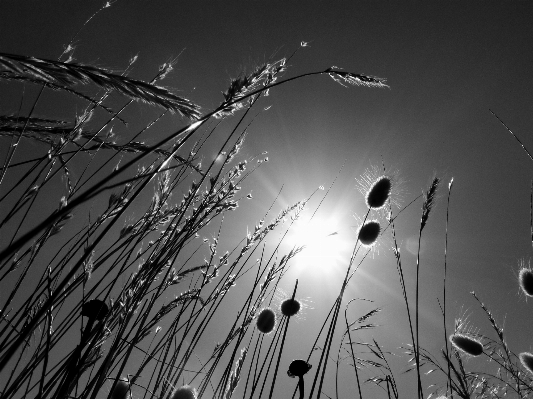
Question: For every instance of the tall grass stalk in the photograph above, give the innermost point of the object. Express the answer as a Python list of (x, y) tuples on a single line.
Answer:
[(444, 281), (429, 200)]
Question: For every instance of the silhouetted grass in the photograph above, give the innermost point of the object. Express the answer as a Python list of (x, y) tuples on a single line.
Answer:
[(85, 299)]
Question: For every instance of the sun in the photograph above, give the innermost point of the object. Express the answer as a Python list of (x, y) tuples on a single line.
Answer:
[(322, 238)]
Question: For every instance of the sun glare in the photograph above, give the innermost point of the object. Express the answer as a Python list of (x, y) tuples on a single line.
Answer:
[(320, 237)]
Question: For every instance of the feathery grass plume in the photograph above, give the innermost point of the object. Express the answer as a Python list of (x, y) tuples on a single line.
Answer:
[(290, 307), (71, 74), (526, 359), (466, 344), (263, 75), (355, 79), (235, 376), (184, 392), (121, 390), (429, 201), (266, 321), (525, 278), (369, 232), (10, 76)]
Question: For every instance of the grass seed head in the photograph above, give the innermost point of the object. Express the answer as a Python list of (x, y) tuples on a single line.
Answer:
[(526, 359), (525, 278), (379, 192), (298, 368), (380, 186), (184, 392), (369, 232), (430, 197), (290, 307), (95, 309), (466, 344), (121, 390), (266, 321)]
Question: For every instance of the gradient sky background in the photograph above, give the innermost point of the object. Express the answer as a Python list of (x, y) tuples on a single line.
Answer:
[(447, 64)]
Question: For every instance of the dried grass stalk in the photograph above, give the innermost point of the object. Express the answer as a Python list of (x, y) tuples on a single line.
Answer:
[(56, 72)]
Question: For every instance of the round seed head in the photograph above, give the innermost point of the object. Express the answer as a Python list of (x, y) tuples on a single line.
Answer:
[(290, 307), (369, 232), (298, 368), (94, 309), (266, 321), (379, 192), (526, 359), (121, 390), (525, 278), (466, 344), (184, 392)]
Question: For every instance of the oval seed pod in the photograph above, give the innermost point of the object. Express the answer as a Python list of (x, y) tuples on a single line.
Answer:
[(526, 359), (184, 392), (466, 344), (525, 278), (266, 321), (290, 307), (369, 232), (379, 192), (121, 390)]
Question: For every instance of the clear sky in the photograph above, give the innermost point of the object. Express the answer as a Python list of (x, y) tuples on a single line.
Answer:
[(446, 62)]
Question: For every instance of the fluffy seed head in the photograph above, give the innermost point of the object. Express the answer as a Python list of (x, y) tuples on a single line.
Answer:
[(379, 192), (298, 368), (526, 359), (290, 307), (184, 392), (369, 232), (525, 278), (466, 344), (95, 309), (121, 390), (266, 321)]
